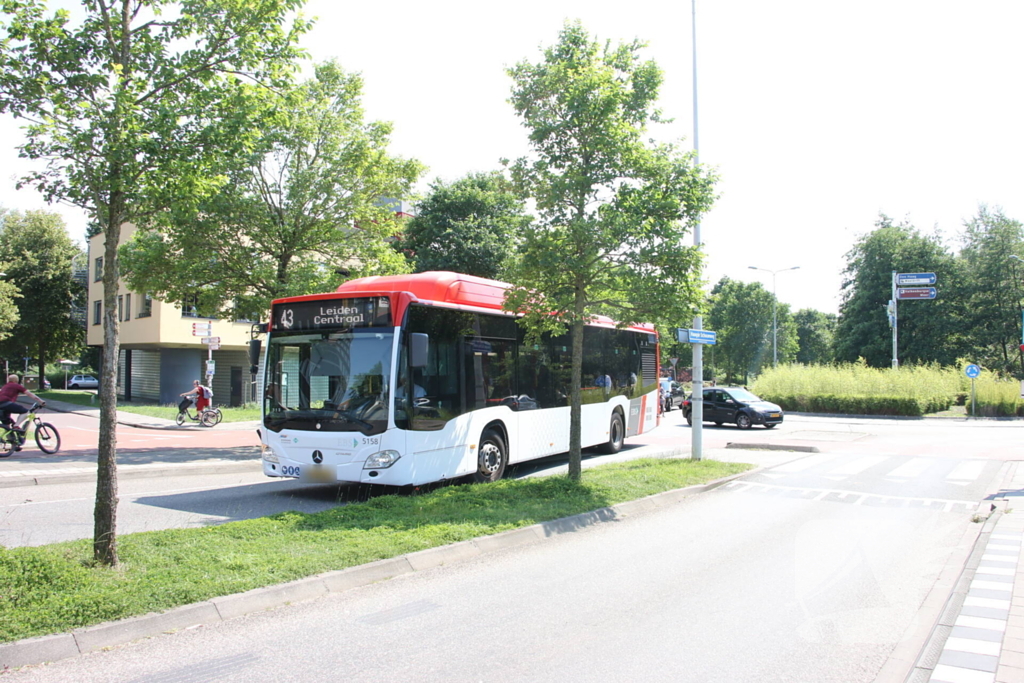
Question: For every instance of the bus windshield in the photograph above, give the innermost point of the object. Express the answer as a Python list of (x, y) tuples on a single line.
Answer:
[(329, 380)]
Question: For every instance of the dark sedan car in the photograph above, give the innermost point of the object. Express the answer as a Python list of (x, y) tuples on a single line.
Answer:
[(736, 405)]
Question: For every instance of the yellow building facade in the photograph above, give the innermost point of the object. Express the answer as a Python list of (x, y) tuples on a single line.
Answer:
[(160, 354)]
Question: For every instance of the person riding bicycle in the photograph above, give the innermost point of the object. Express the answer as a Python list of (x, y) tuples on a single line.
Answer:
[(9, 401), (201, 395)]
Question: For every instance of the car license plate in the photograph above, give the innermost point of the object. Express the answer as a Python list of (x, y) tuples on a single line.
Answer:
[(773, 414), (320, 474)]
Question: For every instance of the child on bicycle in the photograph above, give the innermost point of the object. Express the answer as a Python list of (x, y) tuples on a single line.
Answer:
[(200, 394)]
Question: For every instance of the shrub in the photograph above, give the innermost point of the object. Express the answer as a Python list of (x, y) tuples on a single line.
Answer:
[(856, 389)]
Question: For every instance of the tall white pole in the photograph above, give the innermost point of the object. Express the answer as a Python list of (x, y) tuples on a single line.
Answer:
[(697, 397), (775, 313), (775, 325)]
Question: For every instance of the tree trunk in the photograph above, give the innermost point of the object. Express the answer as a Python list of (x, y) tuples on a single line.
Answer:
[(42, 366), (104, 541)]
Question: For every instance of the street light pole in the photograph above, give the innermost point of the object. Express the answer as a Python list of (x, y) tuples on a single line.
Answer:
[(775, 317)]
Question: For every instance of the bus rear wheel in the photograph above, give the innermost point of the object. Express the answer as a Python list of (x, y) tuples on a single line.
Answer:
[(616, 435), (492, 457)]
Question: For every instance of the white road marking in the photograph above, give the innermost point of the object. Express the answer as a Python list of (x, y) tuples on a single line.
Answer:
[(912, 468), (968, 470), (859, 465)]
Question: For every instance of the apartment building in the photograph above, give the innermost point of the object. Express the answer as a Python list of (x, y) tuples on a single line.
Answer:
[(160, 355)]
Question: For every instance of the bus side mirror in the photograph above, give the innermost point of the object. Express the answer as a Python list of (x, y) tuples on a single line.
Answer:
[(254, 355), (418, 345)]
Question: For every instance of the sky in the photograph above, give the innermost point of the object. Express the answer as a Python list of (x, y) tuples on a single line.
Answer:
[(818, 115)]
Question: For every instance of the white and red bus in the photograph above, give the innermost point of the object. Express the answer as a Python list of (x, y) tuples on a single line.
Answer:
[(410, 379)]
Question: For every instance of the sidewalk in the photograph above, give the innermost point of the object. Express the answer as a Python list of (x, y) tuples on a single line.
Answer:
[(70, 467), (145, 421), (980, 636)]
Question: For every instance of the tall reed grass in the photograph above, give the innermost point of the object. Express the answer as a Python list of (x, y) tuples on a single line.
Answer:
[(995, 397), (856, 388)]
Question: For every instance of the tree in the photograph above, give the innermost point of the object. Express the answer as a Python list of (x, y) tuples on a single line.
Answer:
[(992, 284), (612, 210), (741, 314), (304, 205), (38, 255), (129, 109), (471, 225), (929, 330), (9, 293), (815, 332)]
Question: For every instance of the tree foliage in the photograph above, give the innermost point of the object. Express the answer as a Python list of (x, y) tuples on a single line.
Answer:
[(304, 205), (37, 254), (471, 225), (815, 332), (928, 330), (741, 314), (131, 109), (612, 209), (993, 286)]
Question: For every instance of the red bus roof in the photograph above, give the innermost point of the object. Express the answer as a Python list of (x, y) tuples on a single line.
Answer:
[(444, 288)]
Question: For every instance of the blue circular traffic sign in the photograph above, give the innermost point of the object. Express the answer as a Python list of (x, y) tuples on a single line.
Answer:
[(972, 370)]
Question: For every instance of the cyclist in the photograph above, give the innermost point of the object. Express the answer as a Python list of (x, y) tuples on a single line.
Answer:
[(9, 402), (201, 395)]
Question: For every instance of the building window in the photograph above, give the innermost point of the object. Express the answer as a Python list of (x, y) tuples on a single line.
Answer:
[(146, 309), (97, 312), (120, 308), (190, 307), (99, 270), (128, 306)]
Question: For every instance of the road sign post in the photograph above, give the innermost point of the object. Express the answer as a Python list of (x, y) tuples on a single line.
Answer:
[(972, 371), (906, 286)]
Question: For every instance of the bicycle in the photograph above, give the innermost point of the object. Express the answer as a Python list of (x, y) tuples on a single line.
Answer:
[(13, 437), (208, 417)]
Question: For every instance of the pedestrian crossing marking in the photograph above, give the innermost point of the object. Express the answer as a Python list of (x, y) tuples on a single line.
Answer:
[(968, 470), (805, 463), (859, 465), (854, 497), (912, 468), (836, 467)]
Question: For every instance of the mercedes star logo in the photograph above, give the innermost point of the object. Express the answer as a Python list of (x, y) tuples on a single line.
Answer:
[(318, 457)]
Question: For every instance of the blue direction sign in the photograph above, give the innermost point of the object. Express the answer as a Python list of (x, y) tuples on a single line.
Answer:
[(916, 293), (686, 336), (914, 279), (972, 371)]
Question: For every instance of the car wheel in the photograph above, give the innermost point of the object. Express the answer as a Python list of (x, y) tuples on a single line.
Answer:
[(73, 386), (743, 421), (492, 457), (718, 424), (616, 434)]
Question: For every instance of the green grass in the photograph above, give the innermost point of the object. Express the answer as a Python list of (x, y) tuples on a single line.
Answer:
[(148, 408), (55, 588)]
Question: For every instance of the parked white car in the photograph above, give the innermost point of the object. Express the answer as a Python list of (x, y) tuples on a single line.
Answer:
[(83, 382)]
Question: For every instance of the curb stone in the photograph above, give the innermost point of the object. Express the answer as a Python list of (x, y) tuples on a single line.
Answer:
[(80, 641)]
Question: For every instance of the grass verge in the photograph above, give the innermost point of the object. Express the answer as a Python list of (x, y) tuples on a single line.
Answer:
[(88, 398), (56, 588)]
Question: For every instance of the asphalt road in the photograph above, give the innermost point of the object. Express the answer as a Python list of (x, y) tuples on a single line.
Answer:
[(743, 583)]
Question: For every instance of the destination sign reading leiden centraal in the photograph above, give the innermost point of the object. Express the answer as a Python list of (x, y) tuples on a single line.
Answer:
[(331, 314)]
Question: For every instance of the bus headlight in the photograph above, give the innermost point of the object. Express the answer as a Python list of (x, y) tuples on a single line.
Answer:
[(268, 454), (381, 460)]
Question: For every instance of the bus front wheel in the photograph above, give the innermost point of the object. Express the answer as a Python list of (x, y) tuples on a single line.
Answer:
[(492, 458), (616, 435)]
